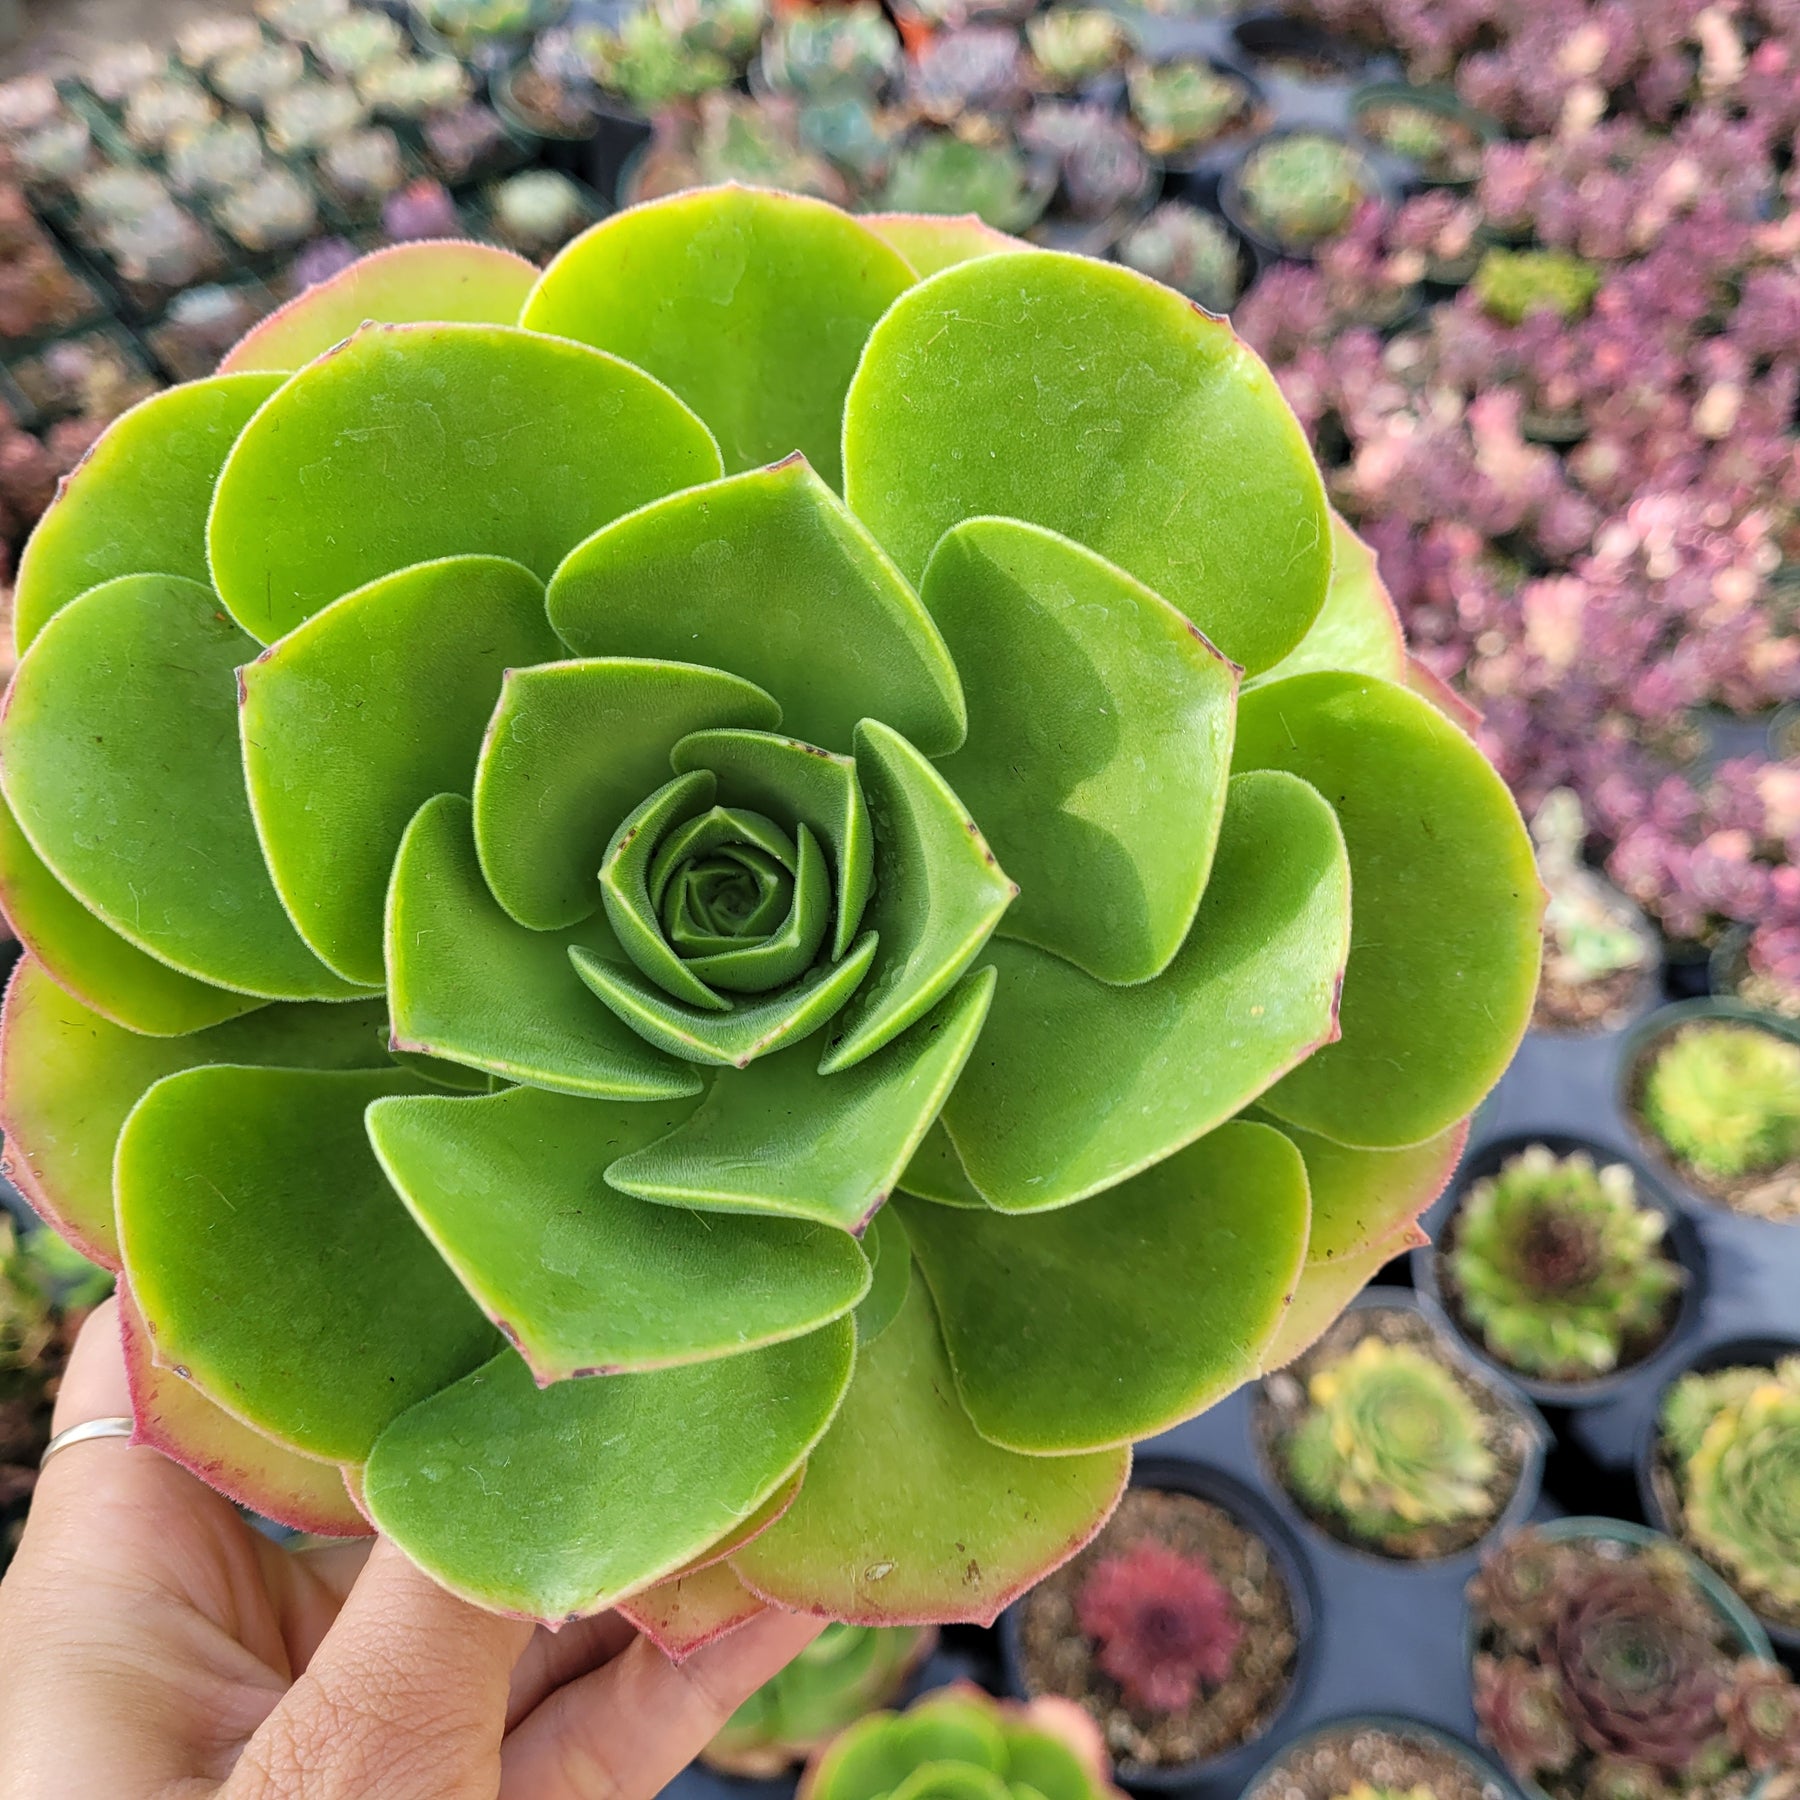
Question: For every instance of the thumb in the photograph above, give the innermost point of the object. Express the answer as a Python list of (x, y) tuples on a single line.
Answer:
[(405, 1699)]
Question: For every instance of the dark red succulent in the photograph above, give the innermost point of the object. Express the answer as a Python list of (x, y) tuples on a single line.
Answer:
[(1164, 1622)]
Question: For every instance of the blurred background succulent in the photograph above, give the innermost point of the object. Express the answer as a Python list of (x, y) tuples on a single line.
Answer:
[(537, 212), (1391, 1443), (1166, 1627), (1724, 1097), (311, 114), (215, 158), (251, 77), (1558, 1267), (1626, 1671), (845, 1673), (1185, 102), (1512, 285), (964, 74), (822, 50), (939, 172), (1190, 250), (1072, 44), (164, 108), (276, 210), (1732, 1436), (1300, 187)]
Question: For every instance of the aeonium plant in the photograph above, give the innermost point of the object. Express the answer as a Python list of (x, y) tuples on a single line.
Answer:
[(655, 892)]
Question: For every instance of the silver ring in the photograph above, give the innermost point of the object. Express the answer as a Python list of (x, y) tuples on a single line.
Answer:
[(86, 1433)]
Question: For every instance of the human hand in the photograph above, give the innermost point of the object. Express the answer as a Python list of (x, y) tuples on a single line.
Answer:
[(156, 1647)]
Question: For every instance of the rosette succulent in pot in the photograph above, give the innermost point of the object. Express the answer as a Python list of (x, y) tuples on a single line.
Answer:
[(654, 894)]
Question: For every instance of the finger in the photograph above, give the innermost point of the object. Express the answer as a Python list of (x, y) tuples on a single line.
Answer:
[(405, 1699), (625, 1731), (555, 1657)]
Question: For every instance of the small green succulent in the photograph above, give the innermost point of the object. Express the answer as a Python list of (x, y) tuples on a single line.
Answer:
[(1071, 43), (1302, 187), (1734, 1435), (1557, 1266), (846, 1672), (1185, 102), (957, 1744), (1724, 1097), (1190, 250), (830, 49), (937, 172), (648, 63), (1391, 1444), (612, 855), (1513, 284)]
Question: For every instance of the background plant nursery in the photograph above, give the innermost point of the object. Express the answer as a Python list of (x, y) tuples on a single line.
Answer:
[(1526, 1521)]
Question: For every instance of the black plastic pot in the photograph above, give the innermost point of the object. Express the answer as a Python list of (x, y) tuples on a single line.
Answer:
[(1500, 1785), (1634, 1052), (1682, 1239), (1728, 966), (1732, 1353), (1220, 1776), (565, 151), (1275, 36), (620, 131), (1484, 1375), (1784, 733)]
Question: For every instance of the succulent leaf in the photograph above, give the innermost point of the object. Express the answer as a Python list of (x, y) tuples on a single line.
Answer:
[(1099, 742), (265, 1243), (359, 716), (888, 1246), (688, 1612), (931, 241), (1357, 629), (572, 749), (409, 439), (134, 680), (468, 982), (471, 284), (908, 1515), (848, 641), (979, 391), (1365, 1210), (1226, 1217), (791, 286), (529, 1500), (173, 1416), (137, 502), (936, 1172), (81, 951), (1080, 1084), (511, 1190), (773, 1138), (1454, 925)]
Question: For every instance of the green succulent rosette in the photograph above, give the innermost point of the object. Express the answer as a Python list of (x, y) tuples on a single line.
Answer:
[(655, 894)]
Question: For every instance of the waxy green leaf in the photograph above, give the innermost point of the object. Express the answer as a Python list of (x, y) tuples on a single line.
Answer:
[(273, 1263), (777, 1138), (735, 1038), (761, 966), (359, 716), (753, 306), (1076, 1085), (930, 241), (889, 1250), (908, 1516), (1365, 1210), (136, 504), (1444, 954), (173, 1416), (767, 575), (1357, 627), (120, 759), (412, 440), (401, 284), (532, 1500), (939, 893), (69, 1076), (1099, 742), (91, 960), (691, 1611), (581, 1278), (799, 784), (573, 748), (936, 1172), (469, 983), (630, 907), (1226, 1217), (1080, 396)]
